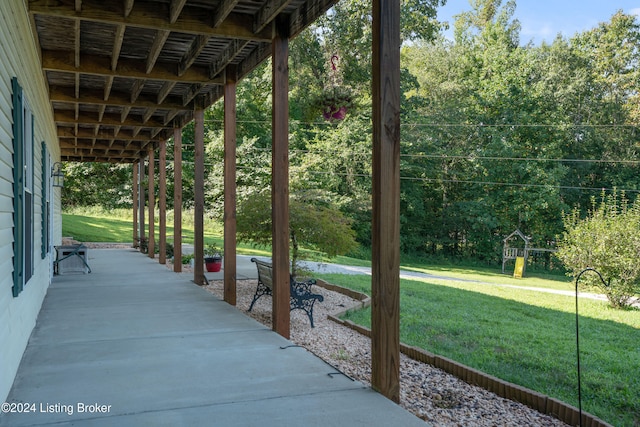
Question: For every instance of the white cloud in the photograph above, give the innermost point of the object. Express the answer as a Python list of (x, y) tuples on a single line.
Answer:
[(538, 32), (635, 11)]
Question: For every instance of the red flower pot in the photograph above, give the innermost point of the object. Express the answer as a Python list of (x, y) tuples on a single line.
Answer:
[(213, 264)]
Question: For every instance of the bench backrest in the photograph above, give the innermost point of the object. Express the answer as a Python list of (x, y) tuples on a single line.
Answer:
[(265, 273)]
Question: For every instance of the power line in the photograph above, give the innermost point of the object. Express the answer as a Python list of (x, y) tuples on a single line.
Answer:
[(522, 125), (519, 159), (471, 157), (458, 181), (479, 125)]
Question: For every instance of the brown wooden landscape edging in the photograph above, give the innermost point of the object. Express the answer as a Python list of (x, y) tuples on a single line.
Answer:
[(540, 402)]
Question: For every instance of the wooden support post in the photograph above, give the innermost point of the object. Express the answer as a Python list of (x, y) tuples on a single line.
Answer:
[(230, 190), (162, 202), (177, 200), (280, 181), (198, 194), (142, 196), (152, 204), (385, 285), (136, 237)]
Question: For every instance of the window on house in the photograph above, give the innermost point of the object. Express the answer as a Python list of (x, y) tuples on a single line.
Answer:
[(46, 202), (23, 153)]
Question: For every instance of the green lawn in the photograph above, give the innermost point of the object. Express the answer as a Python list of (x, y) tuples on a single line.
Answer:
[(117, 226), (521, 336), (525, 337)]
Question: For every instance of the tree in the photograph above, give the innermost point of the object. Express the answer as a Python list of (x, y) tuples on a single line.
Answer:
[(608, 239), (312, 223), (97, 184)]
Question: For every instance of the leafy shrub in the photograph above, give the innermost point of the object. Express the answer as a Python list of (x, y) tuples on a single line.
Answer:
[(608, 239)]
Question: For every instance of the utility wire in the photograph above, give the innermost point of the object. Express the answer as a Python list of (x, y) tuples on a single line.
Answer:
[(471, 157), (459, 181)]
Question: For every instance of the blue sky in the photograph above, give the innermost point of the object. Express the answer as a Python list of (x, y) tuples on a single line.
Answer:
[(544, 19)]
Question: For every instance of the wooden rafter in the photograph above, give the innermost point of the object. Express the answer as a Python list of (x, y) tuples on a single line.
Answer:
[(122, 72), (156, 48), (175, 10), (199, 43), (225, 57), (151, 16), (224, 9), (68, 117), (85, 133), (128, 7), (120, 99), (165, 91), (117, 45), (136, 89), (101, 66), (267, 14)]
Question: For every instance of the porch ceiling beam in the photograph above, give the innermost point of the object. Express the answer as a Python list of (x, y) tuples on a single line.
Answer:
[(95, 144), (67, 134), (156, 48), (191, 94), (155, 132), (170, 116), (224, 9), (164, 92), (198, 44), (117, 46), (136, 89), (151, 16), (175, 10), (303, 17), (73, 157), (86, 151), (101, 66), (67, 117), (108, 84), (225, 58), (259, 54), (123, 114), (77, 43), (101, 111), (268, 13), (128, 7), (150, 112), (119, 99)]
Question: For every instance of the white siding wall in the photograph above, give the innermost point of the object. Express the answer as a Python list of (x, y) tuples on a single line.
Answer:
[(19, 57)]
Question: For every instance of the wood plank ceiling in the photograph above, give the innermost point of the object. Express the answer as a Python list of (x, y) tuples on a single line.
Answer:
[(122, 74)]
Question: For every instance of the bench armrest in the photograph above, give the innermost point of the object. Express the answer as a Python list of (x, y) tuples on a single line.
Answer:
[(302, 288)]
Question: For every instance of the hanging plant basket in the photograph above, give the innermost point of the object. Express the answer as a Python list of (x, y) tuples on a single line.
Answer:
[(333, 112), (334, 103)]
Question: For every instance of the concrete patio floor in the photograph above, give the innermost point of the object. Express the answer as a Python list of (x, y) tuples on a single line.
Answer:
[(134, 344)]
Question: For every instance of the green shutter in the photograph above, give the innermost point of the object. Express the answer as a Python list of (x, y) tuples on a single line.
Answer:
[(44, 203), (18, 189)]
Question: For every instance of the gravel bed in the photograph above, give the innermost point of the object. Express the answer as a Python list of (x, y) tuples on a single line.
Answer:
[(433, 395)]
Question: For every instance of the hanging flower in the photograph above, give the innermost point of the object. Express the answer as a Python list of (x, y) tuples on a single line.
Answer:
[(335, 102), (336, 98)]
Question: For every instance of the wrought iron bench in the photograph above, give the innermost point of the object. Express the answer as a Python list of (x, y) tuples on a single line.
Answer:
[(301, 296)]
